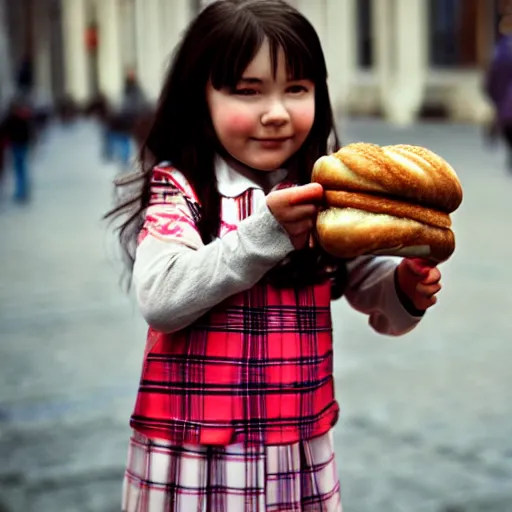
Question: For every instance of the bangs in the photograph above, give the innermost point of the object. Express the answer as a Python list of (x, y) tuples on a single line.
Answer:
[(303, 55)]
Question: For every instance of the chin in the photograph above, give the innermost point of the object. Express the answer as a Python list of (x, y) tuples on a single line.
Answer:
[(267, 164), (266, 168)]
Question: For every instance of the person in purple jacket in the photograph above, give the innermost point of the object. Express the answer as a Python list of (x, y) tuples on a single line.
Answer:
[(498, 87)]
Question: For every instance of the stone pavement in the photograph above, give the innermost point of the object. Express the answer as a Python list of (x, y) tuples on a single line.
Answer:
[(426, 424)]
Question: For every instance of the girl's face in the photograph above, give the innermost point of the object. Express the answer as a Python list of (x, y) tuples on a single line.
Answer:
[(265, 119)]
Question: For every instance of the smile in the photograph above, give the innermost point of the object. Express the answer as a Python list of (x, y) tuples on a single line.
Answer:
[(272, 143), (276, 140)]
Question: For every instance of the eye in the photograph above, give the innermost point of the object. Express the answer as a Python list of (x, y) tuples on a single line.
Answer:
[(297, 89), (245, 92)]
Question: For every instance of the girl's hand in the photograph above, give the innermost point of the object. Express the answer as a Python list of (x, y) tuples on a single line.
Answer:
[(295, 208), (420, 281)]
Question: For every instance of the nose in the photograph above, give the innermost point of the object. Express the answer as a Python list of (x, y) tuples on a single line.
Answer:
[(275, 114)]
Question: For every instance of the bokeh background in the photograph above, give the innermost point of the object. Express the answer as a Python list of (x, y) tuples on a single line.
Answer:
[(426, 422)]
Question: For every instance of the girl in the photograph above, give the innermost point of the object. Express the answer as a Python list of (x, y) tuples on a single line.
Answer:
[(236, 403)]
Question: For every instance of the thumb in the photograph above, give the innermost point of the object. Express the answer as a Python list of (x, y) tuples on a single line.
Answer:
[(305, 194), (417, 266)]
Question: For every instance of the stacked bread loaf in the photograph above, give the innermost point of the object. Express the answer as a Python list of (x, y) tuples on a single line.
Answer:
[(393, 200)]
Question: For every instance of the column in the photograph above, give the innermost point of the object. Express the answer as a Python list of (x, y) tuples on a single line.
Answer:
[(174, 20), (127, 35), (110, 66), (335, 22), (204, 3), (183, 15), (6, 78), (18, 34), (41, 51), (149, 51), (76, 72), (485, 30), (466, 100), (401, 53), (341, 50), (316, 13)]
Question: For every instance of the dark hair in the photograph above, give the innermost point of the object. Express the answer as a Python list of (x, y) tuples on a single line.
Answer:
[(218, 46)]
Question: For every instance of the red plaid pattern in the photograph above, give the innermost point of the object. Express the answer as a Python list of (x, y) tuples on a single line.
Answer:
[(256, 368), (162, 477)]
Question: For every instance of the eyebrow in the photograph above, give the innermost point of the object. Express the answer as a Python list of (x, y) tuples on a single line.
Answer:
[(251, 80), (254, 80)]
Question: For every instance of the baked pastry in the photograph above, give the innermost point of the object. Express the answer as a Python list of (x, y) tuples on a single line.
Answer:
[(393, 200)]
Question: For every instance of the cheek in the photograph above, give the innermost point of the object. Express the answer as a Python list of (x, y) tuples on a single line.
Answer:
[(239, 123), (233, 121), (304, 117)]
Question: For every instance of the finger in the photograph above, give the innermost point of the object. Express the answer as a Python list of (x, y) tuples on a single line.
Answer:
[(428, 290), (425, 303), (433, 277), (416, 267), (298, 228), (305, 194), (422, 262), (300, 241), (298, 213)]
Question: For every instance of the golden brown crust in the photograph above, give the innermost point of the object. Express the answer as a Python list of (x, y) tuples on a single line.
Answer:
[(349, 232), (409, 172), (378, 204), (445, 181)]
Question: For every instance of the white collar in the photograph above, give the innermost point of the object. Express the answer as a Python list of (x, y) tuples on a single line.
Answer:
[(231, 183)]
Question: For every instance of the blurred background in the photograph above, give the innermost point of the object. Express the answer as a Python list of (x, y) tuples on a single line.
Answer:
[(426, 425)]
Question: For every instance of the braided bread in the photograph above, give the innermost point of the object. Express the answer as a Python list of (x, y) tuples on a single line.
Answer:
[(392, 200)]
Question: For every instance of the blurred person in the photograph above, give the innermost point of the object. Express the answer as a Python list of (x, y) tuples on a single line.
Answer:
[(142, 127), (100, 110), (133, 92), (17, 130), (236, 405), (67, 110), (122, 123), (43, 112), (25, 76), (3, 143), (498, 86)]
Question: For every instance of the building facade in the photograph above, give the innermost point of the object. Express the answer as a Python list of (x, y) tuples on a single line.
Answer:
[(395, 58)]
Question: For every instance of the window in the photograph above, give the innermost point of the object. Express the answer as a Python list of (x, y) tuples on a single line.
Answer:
[(461, 32), (364, 34)]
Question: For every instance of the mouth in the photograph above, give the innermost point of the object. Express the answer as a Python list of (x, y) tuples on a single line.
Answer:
[(272, 140)]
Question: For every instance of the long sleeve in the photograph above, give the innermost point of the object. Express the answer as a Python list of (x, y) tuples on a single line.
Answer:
[(372, 290), (177, 279)]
